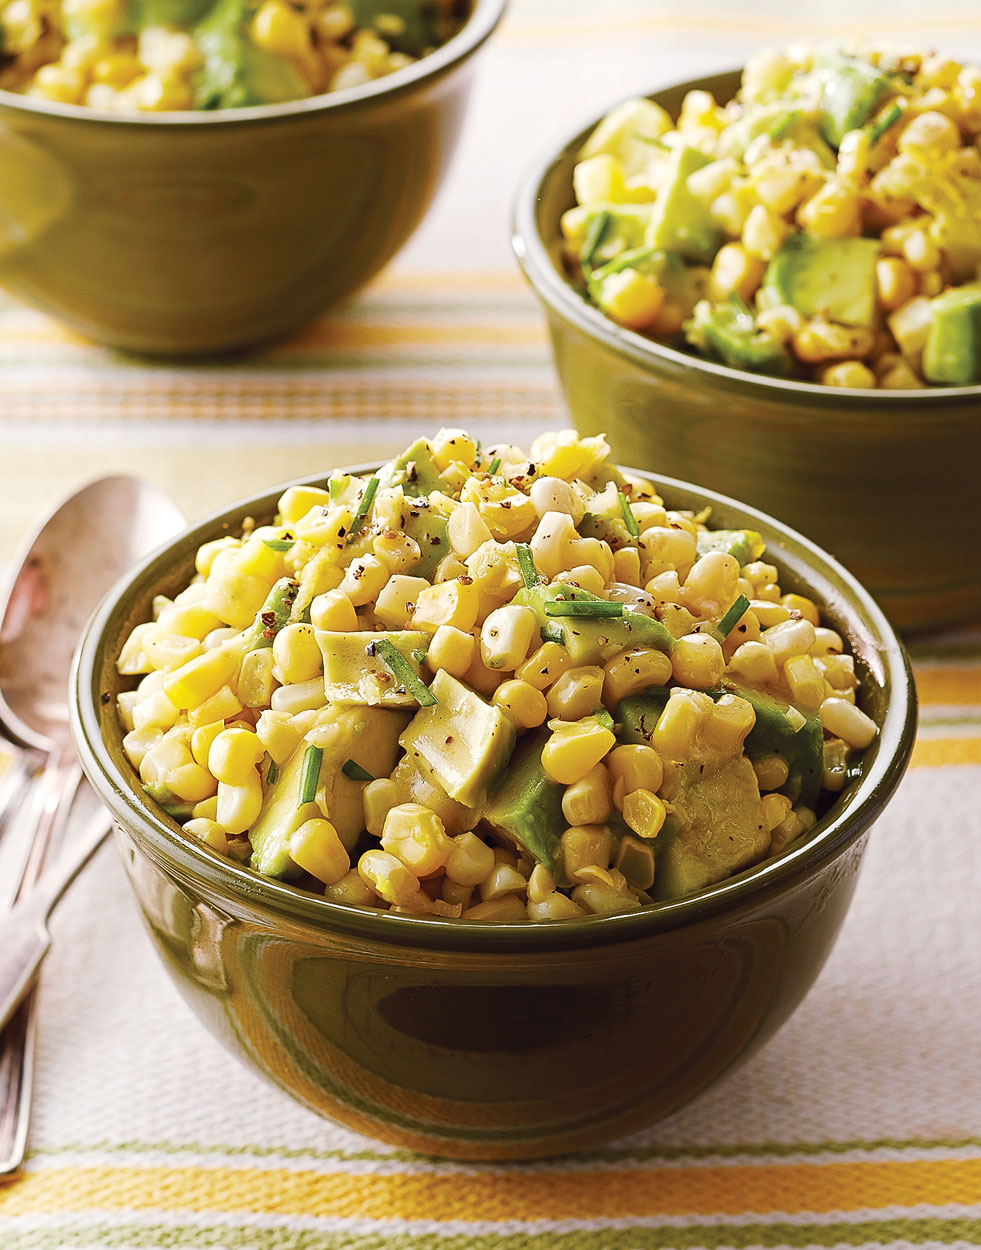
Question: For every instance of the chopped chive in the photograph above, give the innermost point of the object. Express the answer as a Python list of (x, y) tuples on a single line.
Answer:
[(310, 774), (419, 655), (888, 119), (655, 143), (780, 128), (628, 516), (739, 305), (551, 631), (272, 773), (404, 673), (354, 772), (279, 544), (604, 717), (495, 464), (476, 449), (526, 562), (594, 237), (583, 607), (731, 618), (626, 260), (334, 487), (357, 521)]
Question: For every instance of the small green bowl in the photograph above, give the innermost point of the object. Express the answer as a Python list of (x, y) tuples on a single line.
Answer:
[(886, 480), (483, 1041), (197, 232)]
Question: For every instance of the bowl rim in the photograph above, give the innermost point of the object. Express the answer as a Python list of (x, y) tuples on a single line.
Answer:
[(476, 29), (561, 297), (237, 886)]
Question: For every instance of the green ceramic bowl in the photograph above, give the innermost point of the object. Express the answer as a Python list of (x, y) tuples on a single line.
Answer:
[(886, 480), (191, 233), (482, 1041)]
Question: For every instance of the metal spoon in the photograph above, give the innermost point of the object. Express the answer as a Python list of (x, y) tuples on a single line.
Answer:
[(76, 554)]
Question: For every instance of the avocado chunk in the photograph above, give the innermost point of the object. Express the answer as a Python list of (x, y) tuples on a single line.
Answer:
[(415, 470), (430, 529), (461, 740), (716, 828), (852, 89), (831, 277), (365, 734), (526, 805), (604, 518), (621, 227), (419, 19), (236, 71), (779, 120), (744, 545), (667, 268), (680, 222), (415, 784), (593, 641), (730, 333), (952, 354), (355, 673)]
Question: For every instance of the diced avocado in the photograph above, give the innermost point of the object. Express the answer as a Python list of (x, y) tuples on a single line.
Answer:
[(831, 277), (594, 641), (418, 26), (415, 784), (952, 354), (716, 828), (367, 735), (604, 518), (680, 222), (638, 715), (429, 528), (670, 271), (623, 229), (463, 741), (779, 120), (355, 673), (730, 333), (527, 805), (744, 545), (415, 470), (235, 71), (958, 237), (852, 89), (165, 13)]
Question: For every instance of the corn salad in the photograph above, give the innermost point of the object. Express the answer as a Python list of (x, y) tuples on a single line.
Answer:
[(203, 54), (493, 684), (824, 225)]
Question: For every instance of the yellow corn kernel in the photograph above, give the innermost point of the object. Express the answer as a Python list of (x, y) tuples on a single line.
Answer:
[(901, 378), (388, 876), (697, 661), (450, 892), (544, 666), (848, 373), (450, 445), (256, 680), (783, 834), (588, 801), (844, 720), (895, 283), (573, 749), (806, 607), (576, 693), (397, 551), (416, 836), (467, 530), (506, 635), (277, 735), (626, 565), (377, 800), (789, 638), (334, 611), (190, 782), (506, 910), (206, 809), (523, 703), (501, 880), (599, 899), (552, 494), (318, 850), (278, 28), (451, 603), (233, 755), (598, 179), (711, 583), (585, 846), (833, 212), (666, 547), (819, 340), (154, 708), (806, 684), (302, 696), (239, 805), (644, 813), (754, 663), (209, 832), (584, 576), (207, 553), (633, 671), (139, 742), (201, 740), (451, 649), (551, 543), (771, 772), (734, 270), (764, 232), (769, 613), (779, 323), (631, 298), (170, 651), (726, 726), (555, 906), (677, 725), (351, 889), (776, 807), (363, 580), (221, 706), (541, 884), (929, 135), (634, 768), (731, 209), (470, 860), (298, 502), (296, 653)]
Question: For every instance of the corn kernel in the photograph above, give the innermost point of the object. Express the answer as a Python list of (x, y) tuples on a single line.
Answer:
[(574, 749), (726, 726), (506, 635), (233, 756), (470, 860), (676, 726), (644, 813), (697, 661), (771, 772), (634, 768), (544, 666), (239, 805), (634, 671), (209, 832), (417, 837), (221, 706), (388, 876), (845, 721), (576, 693), (451, 603), (588, 801), (585, 846), (522, 702), (317, 849)]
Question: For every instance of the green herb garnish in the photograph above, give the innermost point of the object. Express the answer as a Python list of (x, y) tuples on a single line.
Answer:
[(628, 516), (279, 544), (583, 607), (731, 618), (272, 773), (404, 673), (780, 128), (551, 631), (357, 521), (526, 562), (419, 656), (310, 774), (655, 143), (354, 772), (887, 120), (495, 464), (604, 718), (739, 305), (594, 237)]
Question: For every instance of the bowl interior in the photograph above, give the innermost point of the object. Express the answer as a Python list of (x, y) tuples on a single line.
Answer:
[(886, 693)]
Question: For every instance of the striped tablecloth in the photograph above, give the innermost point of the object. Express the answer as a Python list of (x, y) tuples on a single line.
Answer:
[(860, 1124)]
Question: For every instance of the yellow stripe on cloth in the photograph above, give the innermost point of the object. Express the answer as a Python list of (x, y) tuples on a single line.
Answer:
[(955, 685), (946, 752), (785, 1189)]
